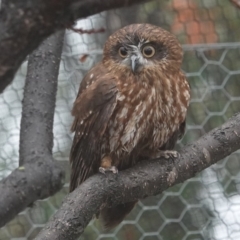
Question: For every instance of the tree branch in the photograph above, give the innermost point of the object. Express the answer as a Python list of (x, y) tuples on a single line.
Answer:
[(25, 24), (39, 176), (36, 136), (30, 182), (145, 179)]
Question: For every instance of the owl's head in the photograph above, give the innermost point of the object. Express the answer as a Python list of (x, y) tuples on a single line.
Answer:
[(142, 46)]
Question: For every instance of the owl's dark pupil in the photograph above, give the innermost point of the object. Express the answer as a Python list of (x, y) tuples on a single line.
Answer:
[(123, 51), (148, 51)]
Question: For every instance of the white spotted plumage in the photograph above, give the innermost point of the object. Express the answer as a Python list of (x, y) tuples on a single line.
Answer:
[(130, 106)]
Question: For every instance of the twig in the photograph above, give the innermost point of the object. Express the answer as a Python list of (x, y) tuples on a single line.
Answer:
[(87, 31)]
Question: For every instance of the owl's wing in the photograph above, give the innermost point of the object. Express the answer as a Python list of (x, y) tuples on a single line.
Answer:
[(178, 134), (181, 129), (92, 110)]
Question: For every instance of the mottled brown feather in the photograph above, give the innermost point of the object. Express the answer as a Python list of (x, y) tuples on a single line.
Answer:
[(129, 116), (92, 110)]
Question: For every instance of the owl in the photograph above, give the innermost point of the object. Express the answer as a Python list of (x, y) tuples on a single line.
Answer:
[(130, 107)]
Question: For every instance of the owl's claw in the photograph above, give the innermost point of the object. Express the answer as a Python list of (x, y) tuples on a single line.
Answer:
[(168, 154), (112, 169)]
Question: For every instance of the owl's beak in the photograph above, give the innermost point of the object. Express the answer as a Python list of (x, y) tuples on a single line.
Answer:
[(135, 64)]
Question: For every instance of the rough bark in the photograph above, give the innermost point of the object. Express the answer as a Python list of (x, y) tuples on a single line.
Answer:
[(145, 179), (32, 181), (25, 24), (36, 136), (38, 176)]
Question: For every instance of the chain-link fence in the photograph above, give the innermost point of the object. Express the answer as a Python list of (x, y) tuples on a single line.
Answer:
[(205, 207)]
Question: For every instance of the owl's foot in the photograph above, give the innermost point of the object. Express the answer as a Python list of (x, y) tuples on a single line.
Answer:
[(112, 169), (168, 154), (106, 165)]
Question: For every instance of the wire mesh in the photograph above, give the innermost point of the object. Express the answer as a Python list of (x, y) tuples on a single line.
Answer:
[(204, 207)]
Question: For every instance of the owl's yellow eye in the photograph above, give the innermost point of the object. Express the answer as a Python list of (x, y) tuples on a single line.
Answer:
[(122, 51), (148, 51)]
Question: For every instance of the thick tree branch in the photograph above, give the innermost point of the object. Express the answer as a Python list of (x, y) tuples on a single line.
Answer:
[(145, 179), (36, 136), (25, 24), (30, 182), (39, 176)]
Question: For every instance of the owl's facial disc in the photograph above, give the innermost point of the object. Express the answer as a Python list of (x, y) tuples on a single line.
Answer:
[(135, 58)]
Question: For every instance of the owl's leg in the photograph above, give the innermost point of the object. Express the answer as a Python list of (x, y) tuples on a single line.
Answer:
[(167, 154), (106, 165)]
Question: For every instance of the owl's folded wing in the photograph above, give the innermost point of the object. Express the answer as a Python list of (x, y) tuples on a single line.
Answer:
[(92, 111)]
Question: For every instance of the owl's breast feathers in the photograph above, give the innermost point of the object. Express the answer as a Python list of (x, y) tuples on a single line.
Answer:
[(149, 111), (126, 117)]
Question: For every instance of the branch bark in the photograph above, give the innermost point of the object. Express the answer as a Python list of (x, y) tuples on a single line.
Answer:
[(145, 179), (39, 175), (25, 24), (36, 136)]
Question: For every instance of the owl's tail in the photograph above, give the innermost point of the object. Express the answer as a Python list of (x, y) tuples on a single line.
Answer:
[(111, 217)]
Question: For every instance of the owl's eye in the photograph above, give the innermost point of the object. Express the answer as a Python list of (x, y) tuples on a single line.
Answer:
[(122, 51), (148, 51)]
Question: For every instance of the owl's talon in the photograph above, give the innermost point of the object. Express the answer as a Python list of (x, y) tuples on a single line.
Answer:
[(101, 170), (168, 154), (112, 169)]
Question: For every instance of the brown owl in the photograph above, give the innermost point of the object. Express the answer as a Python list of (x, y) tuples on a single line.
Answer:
[(130, 107)]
